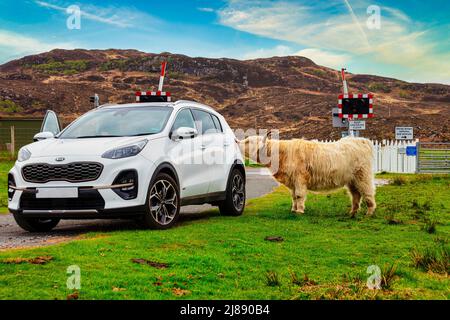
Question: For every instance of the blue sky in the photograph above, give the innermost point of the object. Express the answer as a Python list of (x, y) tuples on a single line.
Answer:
[(412, 42)]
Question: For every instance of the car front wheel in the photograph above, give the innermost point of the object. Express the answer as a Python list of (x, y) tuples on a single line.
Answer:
[(35, 224), (163, 203), (234, 203)]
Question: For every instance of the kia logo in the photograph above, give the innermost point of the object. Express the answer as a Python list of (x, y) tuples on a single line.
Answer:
[(60, 159)]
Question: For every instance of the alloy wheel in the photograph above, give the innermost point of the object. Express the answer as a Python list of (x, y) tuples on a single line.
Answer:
[(163, 202), (238, 192)]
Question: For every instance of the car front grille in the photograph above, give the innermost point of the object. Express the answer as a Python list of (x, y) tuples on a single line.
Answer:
[(87, 199), (72, 172)]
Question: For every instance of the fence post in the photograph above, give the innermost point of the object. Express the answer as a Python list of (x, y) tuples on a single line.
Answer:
[(417, 156), (13, 141)]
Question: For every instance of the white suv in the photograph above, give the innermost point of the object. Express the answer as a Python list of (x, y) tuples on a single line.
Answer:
[(139, 160)]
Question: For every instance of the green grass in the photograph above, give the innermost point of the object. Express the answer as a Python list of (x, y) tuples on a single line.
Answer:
[(252, 164), (9, 106), (324, 254), (5, 166), (68, 67)]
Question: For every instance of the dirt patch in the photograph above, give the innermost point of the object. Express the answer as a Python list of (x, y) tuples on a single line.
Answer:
[(154, 264), (35, 260), (274, 239)]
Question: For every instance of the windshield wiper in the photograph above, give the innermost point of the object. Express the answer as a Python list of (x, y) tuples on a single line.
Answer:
[(105, 136), (142, 134)]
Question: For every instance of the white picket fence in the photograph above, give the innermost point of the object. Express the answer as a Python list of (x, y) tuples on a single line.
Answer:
[(390, 156)]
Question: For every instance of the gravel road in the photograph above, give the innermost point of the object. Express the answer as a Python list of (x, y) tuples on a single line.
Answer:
[(259, 182)]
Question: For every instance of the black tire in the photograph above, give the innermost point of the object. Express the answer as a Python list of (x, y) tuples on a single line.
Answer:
[(35, 224), (162, 208), (234, 203)]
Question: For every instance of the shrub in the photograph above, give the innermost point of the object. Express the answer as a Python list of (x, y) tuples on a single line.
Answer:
[(430, 225), (435, 259), (319, 73), (390, 219), (378, 86), (421, 209), (9, 106), (388, 275), (399, 181), (305, 281), (403, 94), (272, 279), (66, 67)]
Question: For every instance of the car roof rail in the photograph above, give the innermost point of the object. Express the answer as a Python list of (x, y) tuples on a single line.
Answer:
[(106, 105), (194, 103)]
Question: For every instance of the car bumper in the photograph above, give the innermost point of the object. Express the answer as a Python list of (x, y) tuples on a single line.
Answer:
[(95, 198)]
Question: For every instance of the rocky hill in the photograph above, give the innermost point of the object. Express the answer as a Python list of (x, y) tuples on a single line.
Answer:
[(291, 93)]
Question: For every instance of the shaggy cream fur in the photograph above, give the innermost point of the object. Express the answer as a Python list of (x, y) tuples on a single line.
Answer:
[(311, 165)]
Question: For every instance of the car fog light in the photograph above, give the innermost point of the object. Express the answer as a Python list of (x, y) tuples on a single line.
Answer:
[(125, 177), (11, 183)]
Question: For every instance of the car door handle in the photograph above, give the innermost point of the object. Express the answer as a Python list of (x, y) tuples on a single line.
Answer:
[(226, 144), (203, 147)]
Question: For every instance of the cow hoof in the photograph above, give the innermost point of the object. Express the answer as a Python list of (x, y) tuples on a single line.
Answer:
[(298, 212)]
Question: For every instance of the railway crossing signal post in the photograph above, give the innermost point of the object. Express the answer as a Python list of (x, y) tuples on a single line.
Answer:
[(352, 109), (95, 100), (155, 96)]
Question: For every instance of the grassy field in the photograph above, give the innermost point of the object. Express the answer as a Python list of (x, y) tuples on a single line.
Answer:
[(322, 254)]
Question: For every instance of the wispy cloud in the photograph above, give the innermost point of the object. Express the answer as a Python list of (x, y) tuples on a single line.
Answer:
[(14, 45), (121, 17), (279, 50), (356, 23), (205, 9), (339, 29), (325, 58)]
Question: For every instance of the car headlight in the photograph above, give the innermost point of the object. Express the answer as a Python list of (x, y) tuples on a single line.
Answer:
[(125, 151), (24, 154)]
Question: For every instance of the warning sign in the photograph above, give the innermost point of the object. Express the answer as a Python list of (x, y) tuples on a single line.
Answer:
[(404, 133), (357, 125)]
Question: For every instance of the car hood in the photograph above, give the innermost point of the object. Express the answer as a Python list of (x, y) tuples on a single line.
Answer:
[(79, 147)]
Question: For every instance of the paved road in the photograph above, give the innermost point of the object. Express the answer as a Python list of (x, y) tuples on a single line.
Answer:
[(259, 182)]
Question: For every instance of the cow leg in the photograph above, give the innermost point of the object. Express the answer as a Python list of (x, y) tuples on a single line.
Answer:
[(294, 203), (371, 204), (356, 199), (300, 198), (366, 188)]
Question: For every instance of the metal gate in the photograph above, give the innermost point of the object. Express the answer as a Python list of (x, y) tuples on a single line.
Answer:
[(433, 157)]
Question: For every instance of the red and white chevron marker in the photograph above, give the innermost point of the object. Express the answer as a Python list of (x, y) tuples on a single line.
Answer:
[(356, 96), (161, 77), (344, 82), (152, 93)]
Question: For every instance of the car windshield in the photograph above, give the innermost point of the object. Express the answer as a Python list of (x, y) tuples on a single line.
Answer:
[(118, 122)]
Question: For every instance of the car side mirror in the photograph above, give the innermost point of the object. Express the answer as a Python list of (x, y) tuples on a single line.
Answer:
[(43, 135), (184, 133)]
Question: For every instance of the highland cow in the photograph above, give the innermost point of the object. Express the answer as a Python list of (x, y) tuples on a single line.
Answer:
[(318, 166)]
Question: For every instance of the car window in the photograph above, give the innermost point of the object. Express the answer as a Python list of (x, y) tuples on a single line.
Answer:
[(184, 119), (50, 123), (204, 121), (217, 123), (118, 122)]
